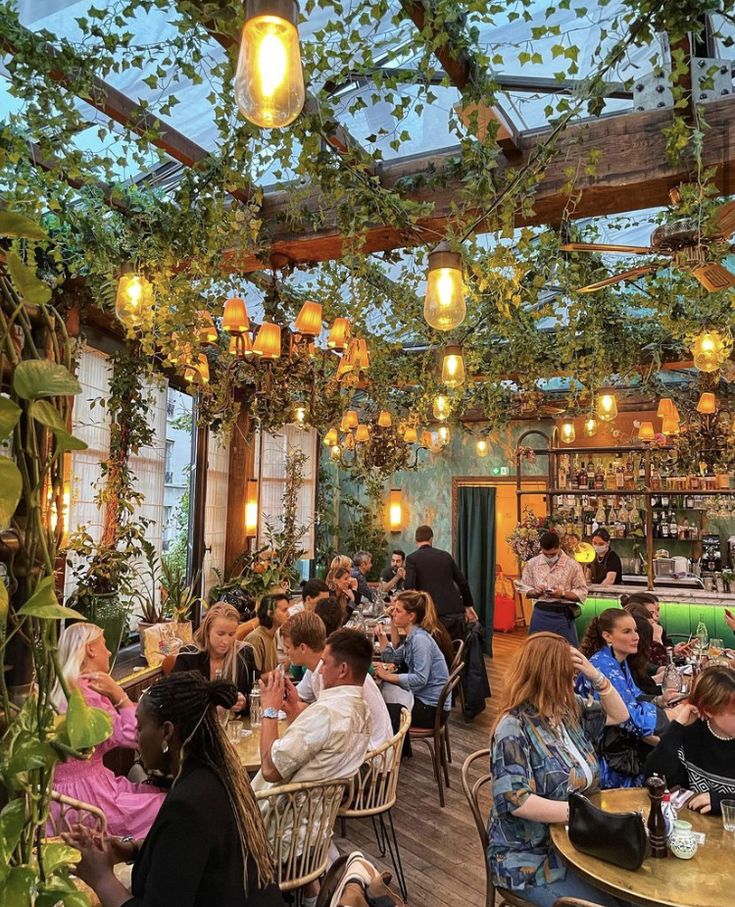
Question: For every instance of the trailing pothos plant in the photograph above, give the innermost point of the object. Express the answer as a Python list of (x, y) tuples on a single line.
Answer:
[(38, 389)]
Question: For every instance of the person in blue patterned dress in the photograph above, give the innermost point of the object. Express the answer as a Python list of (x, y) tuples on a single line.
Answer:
[(609, 640), (543, 744)]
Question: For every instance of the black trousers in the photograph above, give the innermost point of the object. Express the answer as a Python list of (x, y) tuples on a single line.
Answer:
[(422, 715), (456, 624)]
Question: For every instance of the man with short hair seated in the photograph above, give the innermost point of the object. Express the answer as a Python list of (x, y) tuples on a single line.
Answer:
[(304, 638), (328, 740)]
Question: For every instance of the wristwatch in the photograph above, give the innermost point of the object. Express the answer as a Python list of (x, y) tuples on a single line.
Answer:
[(270, 712)]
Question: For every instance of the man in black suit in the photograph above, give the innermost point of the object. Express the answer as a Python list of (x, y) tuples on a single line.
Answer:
[(432, 570)]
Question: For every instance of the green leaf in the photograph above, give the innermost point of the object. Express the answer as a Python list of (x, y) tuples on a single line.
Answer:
[(11, 485), (44, 604), (4, 604), (57, 855), (12, 819), (35, 378), (47, 414), (14, 224), (18, 887), (85, 726), (30, 288), (54, 894), (9, 415)]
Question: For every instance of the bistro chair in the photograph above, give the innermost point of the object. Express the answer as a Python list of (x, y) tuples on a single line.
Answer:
[(436, 738), (299, 825), (471, 791), (72, 812), (458, 646), (373, 795)]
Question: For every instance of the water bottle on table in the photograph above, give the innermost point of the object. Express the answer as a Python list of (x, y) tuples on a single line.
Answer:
[(256, 713)]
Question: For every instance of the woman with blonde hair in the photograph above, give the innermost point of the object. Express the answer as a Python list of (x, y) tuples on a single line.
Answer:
[(543, 743), (426, 667), (85, 662), (342, 585), (217, 654)]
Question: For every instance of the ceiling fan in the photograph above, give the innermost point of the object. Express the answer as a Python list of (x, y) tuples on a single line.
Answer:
[(682, 242)]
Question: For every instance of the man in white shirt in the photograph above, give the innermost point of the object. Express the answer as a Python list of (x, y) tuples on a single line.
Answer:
[(304, 638)]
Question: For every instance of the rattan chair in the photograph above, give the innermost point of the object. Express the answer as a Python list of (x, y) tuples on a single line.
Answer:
[(471, 791), (574, 902), (436, 738), (86, 814), (373, 795), (300, 823)]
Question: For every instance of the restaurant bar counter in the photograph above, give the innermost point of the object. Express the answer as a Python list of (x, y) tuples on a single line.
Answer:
[(681, 609)]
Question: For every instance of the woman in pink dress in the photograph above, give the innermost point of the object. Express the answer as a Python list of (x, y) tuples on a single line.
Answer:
[(130, 808)]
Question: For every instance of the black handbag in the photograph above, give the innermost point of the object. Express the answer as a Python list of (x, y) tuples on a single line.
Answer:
[(622, 751), (618, 838)]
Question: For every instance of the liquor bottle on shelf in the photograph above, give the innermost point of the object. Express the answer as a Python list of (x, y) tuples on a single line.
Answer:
[(629, 474), (663, 526), (665, 501), (655, 476), (590, 475), (575, 474), (641, 472), (600, 516), (689, 502), (673, 526), (610, 477), (582, 476), (563, 471), (599, 476)]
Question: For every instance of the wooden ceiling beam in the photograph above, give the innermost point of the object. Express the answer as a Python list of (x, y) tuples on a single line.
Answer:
[(463, 71), (632, 173), (125, 111)]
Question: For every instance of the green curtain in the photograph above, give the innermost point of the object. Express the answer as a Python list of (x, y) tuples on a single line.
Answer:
[(475, 550)]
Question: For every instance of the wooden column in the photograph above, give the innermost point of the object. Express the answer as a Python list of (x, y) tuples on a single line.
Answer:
[(242, 462)]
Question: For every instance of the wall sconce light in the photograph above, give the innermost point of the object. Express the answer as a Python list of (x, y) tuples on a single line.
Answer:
[(567, 432), (395, 510), (440, 407), (481, 448), (235, 316), (607, 407), (269, 83), (362, 433), (299, 414), (251, 509), (410, 436), (670, 426), (331, 437), (349, 421)]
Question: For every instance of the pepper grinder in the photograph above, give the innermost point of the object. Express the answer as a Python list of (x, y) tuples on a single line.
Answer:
[(656, 822)]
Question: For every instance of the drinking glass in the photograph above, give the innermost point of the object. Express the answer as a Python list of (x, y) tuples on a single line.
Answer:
[(728, 814), (233, 731), (716, 647)]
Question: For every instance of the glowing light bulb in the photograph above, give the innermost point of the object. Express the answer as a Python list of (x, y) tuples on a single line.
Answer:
[(272, 63), (444, 304)]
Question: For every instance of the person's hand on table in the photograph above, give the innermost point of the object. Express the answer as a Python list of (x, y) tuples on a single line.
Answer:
[(683, 649), (98, 856), (701, 803), (385, 672), (471, 615), (272, 688), (240, 704)]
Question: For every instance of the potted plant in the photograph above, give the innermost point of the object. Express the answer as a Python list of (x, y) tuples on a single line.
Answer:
[(179, 597), (728, 578)]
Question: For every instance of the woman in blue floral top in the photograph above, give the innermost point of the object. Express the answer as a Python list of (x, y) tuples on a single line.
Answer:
[(543, 743), (609, 640)]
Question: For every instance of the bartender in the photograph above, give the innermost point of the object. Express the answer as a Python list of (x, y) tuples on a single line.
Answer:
[(606, 569)]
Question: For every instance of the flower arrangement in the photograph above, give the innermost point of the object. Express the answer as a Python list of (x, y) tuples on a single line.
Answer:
[(524, 540)]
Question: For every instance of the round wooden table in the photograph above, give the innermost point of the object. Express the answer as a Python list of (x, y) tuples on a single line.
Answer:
[(707, 880), (248, 748)]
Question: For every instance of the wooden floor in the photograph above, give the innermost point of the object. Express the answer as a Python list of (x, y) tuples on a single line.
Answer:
[(440, 848)]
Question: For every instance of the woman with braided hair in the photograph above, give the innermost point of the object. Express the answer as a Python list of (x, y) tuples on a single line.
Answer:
[(191, 856)]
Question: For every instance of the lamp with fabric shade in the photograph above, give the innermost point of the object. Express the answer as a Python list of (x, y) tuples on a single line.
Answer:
[(331, 437), (309, 320), (362, 433), (707, 404), (410, 435), (267, 343), (385, 420), (349, 421), (235, 316), (206, 332), (646, 432), (339, 334)]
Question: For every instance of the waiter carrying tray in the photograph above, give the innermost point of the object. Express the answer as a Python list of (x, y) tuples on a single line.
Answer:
[(556, 582)]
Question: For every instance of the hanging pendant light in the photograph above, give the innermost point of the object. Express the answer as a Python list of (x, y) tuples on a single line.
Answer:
[(134, 299), (339, 334), (440, 407), (269, 83), (426, 439), (709, 351), (444, 434), (268, 341), (453, 365), (607, 407), (670, 426), (362, 433), (410, 436), (567, 432), (309, 320), (590, 427), (481, 448), (331, 437), (385, 420), (646, 432), (444, 304), (235, 316)]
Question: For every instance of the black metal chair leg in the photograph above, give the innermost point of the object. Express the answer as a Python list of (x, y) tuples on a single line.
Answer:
[(389, 834), (379, 835)]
